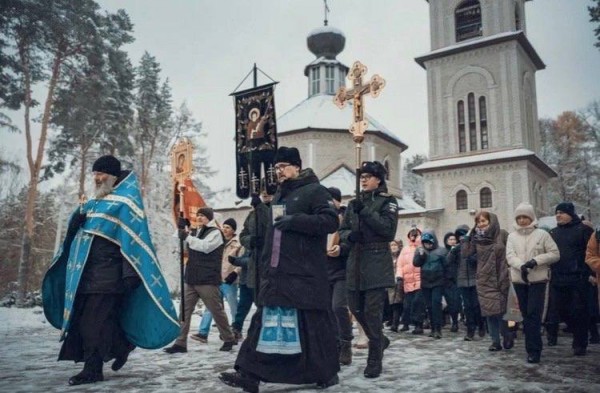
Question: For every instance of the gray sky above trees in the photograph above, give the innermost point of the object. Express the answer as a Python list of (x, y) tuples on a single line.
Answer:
[(206, 47)]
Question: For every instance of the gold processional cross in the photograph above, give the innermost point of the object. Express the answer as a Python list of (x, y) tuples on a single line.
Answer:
[(356, 94)]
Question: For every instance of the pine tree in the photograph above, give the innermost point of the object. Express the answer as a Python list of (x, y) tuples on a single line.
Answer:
[(412, 184), (46, 36), (153, 121), (93, 110)]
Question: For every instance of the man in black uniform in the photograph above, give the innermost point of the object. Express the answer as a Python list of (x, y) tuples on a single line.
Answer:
[(368, 227), (291, 338)]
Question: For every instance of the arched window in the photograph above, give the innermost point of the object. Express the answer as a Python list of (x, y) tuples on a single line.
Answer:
[(461, 200), (483, 129), (472, 122), (462, 136), (485, 197), (467, 17)]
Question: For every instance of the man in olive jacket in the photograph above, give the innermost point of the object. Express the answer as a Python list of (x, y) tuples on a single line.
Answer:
[(368, 227)]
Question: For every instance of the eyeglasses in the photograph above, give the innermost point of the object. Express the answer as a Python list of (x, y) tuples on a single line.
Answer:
[(281, 167), (365, 176)]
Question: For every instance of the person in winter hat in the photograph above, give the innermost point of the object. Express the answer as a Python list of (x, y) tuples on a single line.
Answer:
[(451, 293), (293, 285), (530, 252), (369, 225), (431, 259), (569, 285), (229, 275)]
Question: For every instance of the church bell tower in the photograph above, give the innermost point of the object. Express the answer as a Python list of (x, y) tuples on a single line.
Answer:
[(483, 121)]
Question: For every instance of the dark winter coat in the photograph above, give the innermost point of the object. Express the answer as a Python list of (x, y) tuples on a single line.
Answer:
[(492, 270), (105, 267), (300, 278), (451, 269), (571, 240), (336, 266), (252, 230), (201, 268), (377, 222), (432, 263)]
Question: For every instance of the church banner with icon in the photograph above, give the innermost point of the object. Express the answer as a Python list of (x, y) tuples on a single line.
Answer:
[(256, 140), (186, 198)]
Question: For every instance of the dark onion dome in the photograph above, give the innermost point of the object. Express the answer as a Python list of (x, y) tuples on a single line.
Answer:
[(326, 41)]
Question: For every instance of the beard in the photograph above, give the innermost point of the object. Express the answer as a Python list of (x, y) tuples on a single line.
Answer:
[(105, 187)]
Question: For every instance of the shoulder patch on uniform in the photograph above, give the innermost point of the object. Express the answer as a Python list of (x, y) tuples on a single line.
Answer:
[(385, 194), (393, 207)]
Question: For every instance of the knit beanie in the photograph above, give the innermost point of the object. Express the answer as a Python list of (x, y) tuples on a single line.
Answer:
[(525, 209), (206, 212), (107, 164), (566, 207), (231, 222), (461, 230), (335, 193)]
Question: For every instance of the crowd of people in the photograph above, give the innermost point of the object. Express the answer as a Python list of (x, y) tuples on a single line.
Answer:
[(311, 266)]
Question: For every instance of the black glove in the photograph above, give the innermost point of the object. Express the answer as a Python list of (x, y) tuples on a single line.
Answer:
[(232, 259), (256, 241), (356, 237), (283, 223), (182, 223), (231, 278), (530, 264), (357, 206), (524, 273), (182, 233), (77, 221), (131, 283)]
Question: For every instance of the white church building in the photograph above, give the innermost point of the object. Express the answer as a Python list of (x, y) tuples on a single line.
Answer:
[(483, 122)]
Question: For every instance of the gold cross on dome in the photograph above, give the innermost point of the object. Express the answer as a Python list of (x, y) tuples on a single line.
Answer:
[(356, 94)]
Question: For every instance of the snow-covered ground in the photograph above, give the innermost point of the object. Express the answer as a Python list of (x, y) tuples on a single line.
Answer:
[(29, 348)]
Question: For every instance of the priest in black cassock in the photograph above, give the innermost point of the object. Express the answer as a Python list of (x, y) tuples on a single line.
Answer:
[(292, 337)]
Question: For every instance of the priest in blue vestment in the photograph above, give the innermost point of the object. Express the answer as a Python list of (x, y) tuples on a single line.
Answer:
[(105, 289)]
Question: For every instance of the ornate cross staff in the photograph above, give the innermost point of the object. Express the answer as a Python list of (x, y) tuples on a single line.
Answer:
[(357, 129), (356, 94)]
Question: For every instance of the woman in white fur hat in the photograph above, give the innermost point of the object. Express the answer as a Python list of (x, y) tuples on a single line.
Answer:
[(530, 252)]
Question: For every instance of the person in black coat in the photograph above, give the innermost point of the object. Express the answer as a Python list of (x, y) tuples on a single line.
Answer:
[(569, 286), (294, 285), (368, 228)]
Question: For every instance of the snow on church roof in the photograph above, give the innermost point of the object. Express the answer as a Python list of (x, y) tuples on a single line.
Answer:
[(484, 158), (320, 113)]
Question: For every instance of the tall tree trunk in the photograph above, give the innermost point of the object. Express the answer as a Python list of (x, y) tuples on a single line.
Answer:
[(34, 171)]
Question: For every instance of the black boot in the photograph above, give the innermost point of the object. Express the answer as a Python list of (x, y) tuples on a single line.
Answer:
[(482, 329), (333, 381), (454, 327), (470, 334), (374, 366), (345, 352), (92, 372), (552, 334), (437, 333), (240, 380)]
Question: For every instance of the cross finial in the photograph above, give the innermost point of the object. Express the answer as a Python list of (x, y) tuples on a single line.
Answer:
[(326, 10)]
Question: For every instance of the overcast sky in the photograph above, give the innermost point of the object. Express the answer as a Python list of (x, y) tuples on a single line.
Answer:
[(206, 47)]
